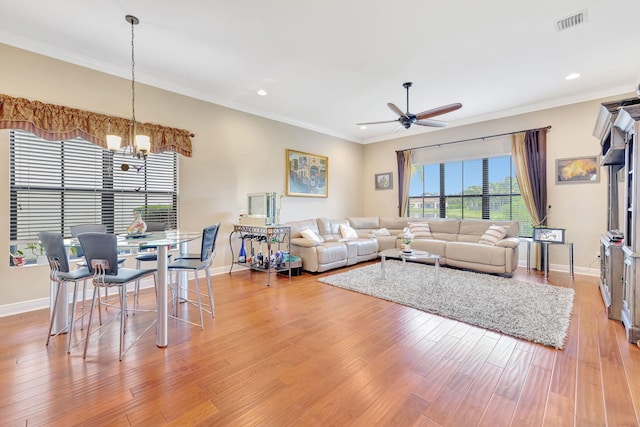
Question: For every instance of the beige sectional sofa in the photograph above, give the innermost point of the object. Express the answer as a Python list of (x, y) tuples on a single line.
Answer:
[(457, 242), (333, 251)]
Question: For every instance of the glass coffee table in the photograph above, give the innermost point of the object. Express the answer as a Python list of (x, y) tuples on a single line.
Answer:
[(414, 255)]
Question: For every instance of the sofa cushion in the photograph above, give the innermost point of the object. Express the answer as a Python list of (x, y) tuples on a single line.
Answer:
[(471, 230), (347, 232), (386, 242), (332, 252), (310, 234), (394, 223), (381, 232), (367, 222), (305, 243), (493, 235), (362, 247), (420, 230), (512, 227), (471, 253), (297, 226), (430, 245), (330, 228), (445, 229)]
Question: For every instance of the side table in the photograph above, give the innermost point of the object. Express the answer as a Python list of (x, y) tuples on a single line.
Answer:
[(545, 251)]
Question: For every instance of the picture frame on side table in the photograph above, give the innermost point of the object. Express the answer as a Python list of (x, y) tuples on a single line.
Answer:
[(307, 174), (384, 181), (577, 170), (551, 235)]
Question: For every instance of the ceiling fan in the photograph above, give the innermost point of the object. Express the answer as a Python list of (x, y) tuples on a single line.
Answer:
[(423, 119)]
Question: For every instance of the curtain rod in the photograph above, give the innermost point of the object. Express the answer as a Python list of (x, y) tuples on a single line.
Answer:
[(473, 139)]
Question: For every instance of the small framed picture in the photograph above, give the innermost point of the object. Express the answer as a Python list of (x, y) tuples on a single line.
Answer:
[(551, 235), (577, 170), (384, 181)]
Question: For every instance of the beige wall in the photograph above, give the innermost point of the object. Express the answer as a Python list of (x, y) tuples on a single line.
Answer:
[(580, 208), (234, 153), (237, 153)]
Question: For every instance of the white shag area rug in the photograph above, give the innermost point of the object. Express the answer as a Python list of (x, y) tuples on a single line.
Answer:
[(532, 311)]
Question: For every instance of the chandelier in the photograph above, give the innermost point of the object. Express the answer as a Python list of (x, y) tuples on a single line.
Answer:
[(141, 144)]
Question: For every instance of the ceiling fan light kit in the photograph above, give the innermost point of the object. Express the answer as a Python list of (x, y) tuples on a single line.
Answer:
[(406, 119)]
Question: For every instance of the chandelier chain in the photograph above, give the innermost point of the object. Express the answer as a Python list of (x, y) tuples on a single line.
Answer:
[(133, 80)]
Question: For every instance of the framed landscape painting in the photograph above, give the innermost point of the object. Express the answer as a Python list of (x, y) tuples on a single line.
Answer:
[(577, 170), (307, 174)]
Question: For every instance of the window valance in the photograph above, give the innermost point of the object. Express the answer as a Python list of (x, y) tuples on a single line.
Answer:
[(57, 122)]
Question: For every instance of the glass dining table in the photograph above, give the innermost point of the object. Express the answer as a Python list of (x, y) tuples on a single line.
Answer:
[(163, 241)]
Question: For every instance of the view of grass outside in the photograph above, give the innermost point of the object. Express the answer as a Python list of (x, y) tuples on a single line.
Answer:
[(473, 189)]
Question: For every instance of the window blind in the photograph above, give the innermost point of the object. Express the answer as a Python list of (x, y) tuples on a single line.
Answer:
[(57, 184)]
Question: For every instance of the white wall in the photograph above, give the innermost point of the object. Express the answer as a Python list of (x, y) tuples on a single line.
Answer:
[(580, 208), (234, 153)]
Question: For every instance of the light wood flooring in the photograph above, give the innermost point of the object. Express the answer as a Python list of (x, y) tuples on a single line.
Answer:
[(303, 353)]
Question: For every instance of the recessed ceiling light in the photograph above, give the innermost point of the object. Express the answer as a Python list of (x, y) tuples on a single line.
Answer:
[(572, 76), (363, 127), (262, 92)]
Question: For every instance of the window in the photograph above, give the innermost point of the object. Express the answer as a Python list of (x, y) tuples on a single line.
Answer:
[(57, 184), (480, 188)]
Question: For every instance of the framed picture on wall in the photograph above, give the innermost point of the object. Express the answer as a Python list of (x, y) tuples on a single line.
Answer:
[(307, 174), (551, 235), (384, 181), (577, 170)]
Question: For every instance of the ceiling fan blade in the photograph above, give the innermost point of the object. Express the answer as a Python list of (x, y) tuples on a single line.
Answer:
[(396, 110), (438, 111), (432, 123), (376, 123)]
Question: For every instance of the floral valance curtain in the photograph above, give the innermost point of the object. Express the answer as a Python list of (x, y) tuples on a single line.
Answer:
[(57, 122)]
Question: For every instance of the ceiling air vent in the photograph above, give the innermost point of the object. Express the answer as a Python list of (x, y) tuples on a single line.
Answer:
[(571, 21)]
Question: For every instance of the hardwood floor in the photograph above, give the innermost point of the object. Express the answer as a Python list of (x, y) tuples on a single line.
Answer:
[(303, 353)]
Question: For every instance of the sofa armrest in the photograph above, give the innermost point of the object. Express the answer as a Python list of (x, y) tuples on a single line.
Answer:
[(305, 243), (509, 242)]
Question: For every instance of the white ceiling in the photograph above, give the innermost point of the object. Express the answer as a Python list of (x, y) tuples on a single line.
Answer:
[(329, 64)]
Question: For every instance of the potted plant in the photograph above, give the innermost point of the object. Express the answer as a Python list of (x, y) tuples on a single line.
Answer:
[(37, 249), (407, 238)]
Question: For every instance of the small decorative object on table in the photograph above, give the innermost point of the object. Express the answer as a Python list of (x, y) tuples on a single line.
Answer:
[(242, 257), (138, 226), (407, 238), (19, 259)]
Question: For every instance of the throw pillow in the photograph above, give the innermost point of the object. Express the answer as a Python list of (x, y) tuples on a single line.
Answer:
[(309, 234), (348, 232), (493, 235), (420, 230), (381, 232)]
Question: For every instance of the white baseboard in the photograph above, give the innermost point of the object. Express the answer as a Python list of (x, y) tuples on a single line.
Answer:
[(565, 269), (41, 303)]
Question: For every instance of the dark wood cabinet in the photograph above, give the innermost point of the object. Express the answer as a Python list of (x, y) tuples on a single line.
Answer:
[(628, 122)]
